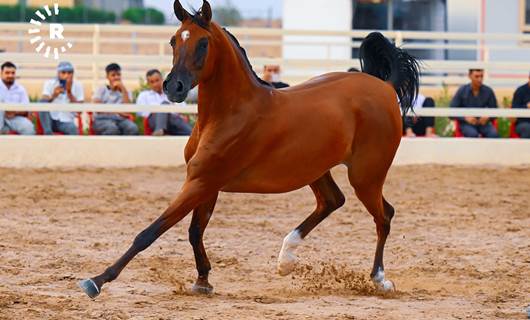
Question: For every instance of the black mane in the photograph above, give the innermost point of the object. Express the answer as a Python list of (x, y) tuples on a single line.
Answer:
[(244, 54), (198, 19)]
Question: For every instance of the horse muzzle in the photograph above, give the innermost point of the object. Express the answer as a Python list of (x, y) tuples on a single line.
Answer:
[(177, 87)]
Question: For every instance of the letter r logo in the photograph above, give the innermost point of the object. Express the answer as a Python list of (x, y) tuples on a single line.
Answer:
[(56, 31)]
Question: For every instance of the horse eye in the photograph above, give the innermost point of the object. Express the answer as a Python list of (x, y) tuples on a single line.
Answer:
[(173, 41), (203, 44)]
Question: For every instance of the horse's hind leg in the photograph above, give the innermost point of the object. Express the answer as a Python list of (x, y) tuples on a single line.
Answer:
[(370, 191), (329, 198), (199, 222)]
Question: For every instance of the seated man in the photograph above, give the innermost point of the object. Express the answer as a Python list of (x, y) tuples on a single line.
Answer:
[(420, 126), (62, 90), (114, 93), (271, 74), (476, 95), (13, 93), (161, 123), (521, 100)]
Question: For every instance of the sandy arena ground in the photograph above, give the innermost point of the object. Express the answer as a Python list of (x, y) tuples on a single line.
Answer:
[(459, 248)]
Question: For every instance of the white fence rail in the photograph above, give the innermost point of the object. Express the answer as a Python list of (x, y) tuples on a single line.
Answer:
[(193, 109), (138, 48)]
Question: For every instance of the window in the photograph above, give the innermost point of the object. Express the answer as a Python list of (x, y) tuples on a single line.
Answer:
[(525, 15), (527, 12), (411, 15)]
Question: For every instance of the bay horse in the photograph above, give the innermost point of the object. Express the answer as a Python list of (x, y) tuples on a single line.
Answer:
[(252, 138)]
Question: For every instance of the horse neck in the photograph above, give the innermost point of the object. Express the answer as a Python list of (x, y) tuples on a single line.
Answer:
[(232, 83)]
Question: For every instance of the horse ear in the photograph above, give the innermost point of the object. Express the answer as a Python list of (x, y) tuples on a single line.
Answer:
[(206, 11), (180, 12)]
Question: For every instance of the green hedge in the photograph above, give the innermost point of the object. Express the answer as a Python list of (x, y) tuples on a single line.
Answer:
[(77, 14), (144, 16)]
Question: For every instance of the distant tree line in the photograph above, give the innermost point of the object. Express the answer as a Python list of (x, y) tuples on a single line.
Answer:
[(82, 14)]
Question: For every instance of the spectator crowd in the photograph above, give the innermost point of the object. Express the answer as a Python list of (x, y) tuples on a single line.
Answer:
[(475, 94), (65, 89)]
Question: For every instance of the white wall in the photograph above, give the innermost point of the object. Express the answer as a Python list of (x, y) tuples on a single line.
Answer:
[(128, 152), (334, 15), (503, 17), (463, 16)]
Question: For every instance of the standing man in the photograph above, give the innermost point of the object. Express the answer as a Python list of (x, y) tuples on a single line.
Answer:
[(114, 93), (13, 93), (61, 90), (161, 123), (476, 95), (521, 100)]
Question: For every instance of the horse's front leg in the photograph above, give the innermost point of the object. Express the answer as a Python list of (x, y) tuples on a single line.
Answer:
[(199, 222), (193, 194)]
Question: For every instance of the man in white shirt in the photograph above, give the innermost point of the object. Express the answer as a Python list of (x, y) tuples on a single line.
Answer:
[(13, 93), (161, 123), (62, 90)]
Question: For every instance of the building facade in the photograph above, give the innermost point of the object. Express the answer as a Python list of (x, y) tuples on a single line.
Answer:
[(486, 16)]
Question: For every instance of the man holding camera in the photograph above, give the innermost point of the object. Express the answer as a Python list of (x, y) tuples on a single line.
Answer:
[(61, 90)]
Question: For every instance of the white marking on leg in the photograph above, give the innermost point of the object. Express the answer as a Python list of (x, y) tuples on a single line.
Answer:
[(287, 258), (381, 283)]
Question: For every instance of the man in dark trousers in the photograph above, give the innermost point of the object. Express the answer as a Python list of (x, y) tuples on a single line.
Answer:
[(521, 100), (476, 95), (420, 126)]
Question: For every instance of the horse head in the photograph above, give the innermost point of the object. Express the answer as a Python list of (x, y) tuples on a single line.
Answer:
[(193, 54)]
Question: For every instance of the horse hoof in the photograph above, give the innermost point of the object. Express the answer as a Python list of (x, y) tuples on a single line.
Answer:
[(90, 288), (202, 289), (385, 286), (286, 267)]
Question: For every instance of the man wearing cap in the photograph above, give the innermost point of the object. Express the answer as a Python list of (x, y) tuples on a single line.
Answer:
[(272, 74), (61, 90), (13, 93), (521, 100)]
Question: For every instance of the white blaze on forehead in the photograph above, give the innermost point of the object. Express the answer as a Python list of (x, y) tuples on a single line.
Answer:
[(185, 35)]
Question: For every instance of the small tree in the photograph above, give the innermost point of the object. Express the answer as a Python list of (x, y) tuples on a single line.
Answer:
[(144, 16), (227, 15)]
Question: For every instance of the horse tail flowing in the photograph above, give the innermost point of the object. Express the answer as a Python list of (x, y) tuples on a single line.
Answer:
[(382, 59)]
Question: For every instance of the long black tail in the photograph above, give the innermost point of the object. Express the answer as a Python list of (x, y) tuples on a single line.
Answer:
[(381, 59)]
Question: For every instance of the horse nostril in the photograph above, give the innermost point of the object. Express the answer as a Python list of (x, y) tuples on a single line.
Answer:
[(180, 86)]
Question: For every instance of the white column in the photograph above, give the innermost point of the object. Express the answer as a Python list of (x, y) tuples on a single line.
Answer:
[(334, 15)]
